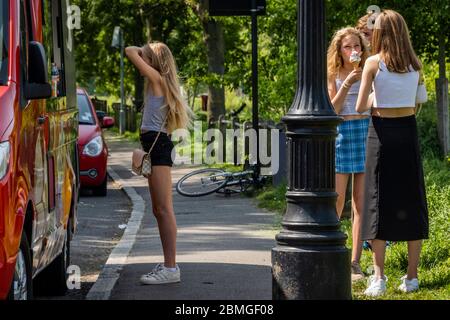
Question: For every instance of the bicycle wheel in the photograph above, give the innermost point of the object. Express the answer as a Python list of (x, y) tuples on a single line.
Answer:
[(202, 182)]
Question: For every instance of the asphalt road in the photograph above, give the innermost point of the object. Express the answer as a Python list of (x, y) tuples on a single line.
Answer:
[(99, 229)]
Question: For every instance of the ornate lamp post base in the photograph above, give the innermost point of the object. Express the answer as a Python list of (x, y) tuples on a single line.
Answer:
[(309, 275), (310, 260)]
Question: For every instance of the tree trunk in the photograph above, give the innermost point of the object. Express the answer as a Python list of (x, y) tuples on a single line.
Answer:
[(215, 46), (442, 99), (193, 94)]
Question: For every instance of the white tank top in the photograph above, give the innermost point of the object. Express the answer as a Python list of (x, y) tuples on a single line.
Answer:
[(395, 90), (349, 106)]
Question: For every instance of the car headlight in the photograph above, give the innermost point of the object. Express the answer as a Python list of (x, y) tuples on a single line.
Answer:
[(94, 147), (4, 158)]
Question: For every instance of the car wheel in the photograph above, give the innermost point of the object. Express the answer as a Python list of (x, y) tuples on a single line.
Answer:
[(52, 281), (101, 190), (22, 286)]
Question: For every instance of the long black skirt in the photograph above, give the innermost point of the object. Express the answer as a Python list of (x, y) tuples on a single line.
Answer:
[(395, 206)]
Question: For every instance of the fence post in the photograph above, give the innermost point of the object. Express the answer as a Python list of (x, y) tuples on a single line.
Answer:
[(116, 109), (222, 126), (443, 114), (128, 118), (235, 126), (247, 125), (132, 119)]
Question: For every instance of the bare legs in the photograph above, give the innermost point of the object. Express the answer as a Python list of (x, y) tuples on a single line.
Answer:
[(160, 184), (357, 205), (379, 251), (414, 248), (341, 188)]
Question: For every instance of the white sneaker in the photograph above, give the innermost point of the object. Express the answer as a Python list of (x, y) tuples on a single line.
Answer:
[(160, 275), (376, 287), (408, 285)]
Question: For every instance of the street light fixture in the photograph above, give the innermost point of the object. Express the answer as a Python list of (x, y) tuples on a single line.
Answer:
[(118, 43), (311, 261)]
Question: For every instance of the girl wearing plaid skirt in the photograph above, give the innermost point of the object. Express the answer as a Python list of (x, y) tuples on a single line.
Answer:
[(343, 87)]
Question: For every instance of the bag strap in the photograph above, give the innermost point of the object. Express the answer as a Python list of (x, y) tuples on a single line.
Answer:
[(159, 132)]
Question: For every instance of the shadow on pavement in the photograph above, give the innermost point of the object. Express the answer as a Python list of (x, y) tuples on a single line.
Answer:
[(199, 281)]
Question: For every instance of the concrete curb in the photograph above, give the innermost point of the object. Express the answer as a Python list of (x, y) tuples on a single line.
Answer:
[(108, 277)]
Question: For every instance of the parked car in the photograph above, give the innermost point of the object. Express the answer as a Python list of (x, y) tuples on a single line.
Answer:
[(93, 152), (38, 150)]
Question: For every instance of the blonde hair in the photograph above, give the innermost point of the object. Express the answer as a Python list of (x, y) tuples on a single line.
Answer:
[(392, 41), (362, 22), (334, 57), (160, 58)]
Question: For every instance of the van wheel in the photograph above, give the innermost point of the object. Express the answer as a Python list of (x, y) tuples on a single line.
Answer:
[(52, 281), (102, 189), (22, 286)]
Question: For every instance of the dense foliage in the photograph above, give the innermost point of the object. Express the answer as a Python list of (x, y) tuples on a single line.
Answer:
[(174, 22)]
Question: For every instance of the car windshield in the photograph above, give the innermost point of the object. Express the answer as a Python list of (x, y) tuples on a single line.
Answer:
[(4, 40), (85, 115)]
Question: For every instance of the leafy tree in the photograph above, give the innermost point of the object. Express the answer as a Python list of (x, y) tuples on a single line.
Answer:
[(216, 51), (98, 65), (215, 48)]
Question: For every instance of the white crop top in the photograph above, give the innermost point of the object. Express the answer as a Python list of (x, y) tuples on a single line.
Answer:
[(349, 106), (395, 90)]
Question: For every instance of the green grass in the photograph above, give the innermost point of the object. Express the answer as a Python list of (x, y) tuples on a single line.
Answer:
[(131, 136), (434, 267)]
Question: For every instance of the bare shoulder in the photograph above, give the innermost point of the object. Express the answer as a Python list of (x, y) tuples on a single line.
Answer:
[(373, 60), (371, 66)]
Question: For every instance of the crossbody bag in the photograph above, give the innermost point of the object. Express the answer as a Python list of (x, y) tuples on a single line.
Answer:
[(141, 163)]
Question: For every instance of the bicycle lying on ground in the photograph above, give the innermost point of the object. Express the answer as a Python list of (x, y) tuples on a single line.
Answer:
[(207, 181), (203, 182)]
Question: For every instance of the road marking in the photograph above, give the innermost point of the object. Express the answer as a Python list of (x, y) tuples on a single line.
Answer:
[(110, 273)]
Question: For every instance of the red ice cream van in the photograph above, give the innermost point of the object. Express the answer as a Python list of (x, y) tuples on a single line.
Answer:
[(38, 147)]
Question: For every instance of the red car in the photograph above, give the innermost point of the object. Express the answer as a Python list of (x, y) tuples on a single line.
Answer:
[(92, 149)]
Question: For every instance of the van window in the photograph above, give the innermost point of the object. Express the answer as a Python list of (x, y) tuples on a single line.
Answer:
[(23, 52), (4, 42), (85, 115), (53, 40)]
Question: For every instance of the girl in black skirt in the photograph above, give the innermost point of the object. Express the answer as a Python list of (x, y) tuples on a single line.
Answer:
[(395, 207)]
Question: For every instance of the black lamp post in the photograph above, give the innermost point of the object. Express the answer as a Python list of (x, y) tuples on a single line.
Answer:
[(310, 260)]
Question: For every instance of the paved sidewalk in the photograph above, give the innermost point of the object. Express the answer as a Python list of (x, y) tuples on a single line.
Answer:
[(224, 244)]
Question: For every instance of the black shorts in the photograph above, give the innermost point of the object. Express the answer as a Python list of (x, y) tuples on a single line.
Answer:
[(161, 154)]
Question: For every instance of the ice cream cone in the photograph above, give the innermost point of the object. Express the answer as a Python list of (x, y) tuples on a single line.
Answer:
[(355, 59)]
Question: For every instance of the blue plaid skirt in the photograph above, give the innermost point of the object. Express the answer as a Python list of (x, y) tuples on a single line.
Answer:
[(351, 146)]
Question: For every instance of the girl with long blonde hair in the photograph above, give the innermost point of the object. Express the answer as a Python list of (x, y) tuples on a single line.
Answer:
[(343, 87), (395, 201), (164, 111)]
